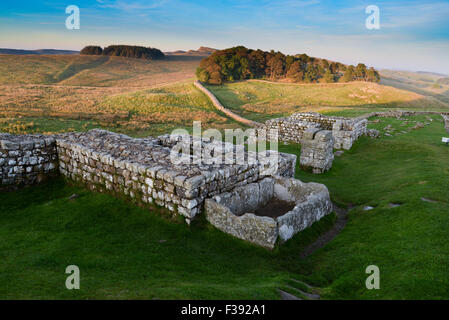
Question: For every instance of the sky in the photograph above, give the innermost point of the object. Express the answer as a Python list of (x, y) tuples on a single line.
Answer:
[(413, 35)]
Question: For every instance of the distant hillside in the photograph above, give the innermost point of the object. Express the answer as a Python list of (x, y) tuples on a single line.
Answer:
[(39, 51), (443, 81), (240, 63), (432, 73), (201, 52), (419, 82)]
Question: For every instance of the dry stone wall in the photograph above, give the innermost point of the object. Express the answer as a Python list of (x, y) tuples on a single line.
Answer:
[(142, 169), (317, 151), (344, 130), (26, 160)]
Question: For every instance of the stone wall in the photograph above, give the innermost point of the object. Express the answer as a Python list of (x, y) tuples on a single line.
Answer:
[(344, 130), (289, 130), (26, 160), (142, 169), (317, 152)]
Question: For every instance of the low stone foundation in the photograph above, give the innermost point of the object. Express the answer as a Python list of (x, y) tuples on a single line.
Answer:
[(344, 130), (233, 212), (26, 160), (142, 169), (317, 152)]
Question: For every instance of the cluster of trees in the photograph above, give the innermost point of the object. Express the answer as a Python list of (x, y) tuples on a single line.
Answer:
[(125, 51), (240, 63)]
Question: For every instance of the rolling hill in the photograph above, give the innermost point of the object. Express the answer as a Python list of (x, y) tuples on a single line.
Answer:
[(53, 93), (38, 51)]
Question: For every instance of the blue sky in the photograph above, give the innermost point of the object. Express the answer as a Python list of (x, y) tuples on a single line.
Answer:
[(413, 35)]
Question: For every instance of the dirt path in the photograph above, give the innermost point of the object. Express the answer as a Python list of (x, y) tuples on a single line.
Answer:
[(220, 107), (329, 235)]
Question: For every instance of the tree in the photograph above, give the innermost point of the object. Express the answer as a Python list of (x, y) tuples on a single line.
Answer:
[(349, 74), (372, 75), (202, 75), (311, 74), (328, 77), (360, 71), (295, 72), (276, 67), (92, 50), (241, 63)]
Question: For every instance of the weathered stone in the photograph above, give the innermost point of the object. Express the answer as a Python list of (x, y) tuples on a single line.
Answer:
[(227, 212), (317, 150)]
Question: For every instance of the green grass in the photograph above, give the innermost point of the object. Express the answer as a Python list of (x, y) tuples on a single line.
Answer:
[(138, 113), (123, 252), (119, 250), (261, 101), (409, 243)]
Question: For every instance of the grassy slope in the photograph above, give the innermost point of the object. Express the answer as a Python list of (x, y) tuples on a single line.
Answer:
[(135, 96), (409, 243), (261, 101), (423, 84), (118, 249)]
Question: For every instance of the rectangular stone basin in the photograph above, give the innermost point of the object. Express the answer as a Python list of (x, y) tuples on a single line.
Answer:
[(238, 212)]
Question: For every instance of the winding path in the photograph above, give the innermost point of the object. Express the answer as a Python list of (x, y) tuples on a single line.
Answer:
[(220, 107)]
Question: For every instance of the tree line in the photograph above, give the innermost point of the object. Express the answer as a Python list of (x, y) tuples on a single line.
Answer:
[(240, 63), (125, 51)]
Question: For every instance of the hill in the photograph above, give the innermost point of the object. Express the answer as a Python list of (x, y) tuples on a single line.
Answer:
[(261, 100), (38, 52), (444, 81), (52, 93), (200, 52), (42, 93), (426, 84)]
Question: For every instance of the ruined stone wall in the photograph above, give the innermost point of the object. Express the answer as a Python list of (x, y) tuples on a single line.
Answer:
[(26, 160), (289, 130), (347, 132), (317, 152), (142, 169), (344, 130)]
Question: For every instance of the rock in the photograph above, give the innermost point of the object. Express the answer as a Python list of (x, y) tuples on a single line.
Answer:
[(429, 200), (367, 208), (338, 153), (317, 150), (372, 133), (73, 196)]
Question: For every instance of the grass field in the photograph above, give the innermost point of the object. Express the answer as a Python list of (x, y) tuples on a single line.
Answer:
[(127, 252), (259, 101), (47, 94), (139, 97)]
